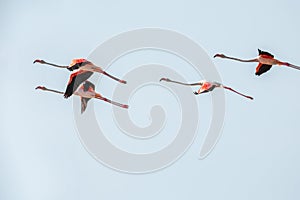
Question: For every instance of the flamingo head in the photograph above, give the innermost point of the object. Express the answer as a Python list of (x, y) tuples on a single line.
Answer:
[(40, 88), (219, 55), (164, 79), (39, 61)]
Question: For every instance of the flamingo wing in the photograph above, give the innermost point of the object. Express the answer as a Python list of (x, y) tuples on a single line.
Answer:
[(84, 102), (260, 52), (75, 80), (87, 85), (206, 87), (262, 68)]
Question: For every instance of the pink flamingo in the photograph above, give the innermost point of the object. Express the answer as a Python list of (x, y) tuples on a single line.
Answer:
[(265, 61), (206, 86), (82, 70), (86, 92)]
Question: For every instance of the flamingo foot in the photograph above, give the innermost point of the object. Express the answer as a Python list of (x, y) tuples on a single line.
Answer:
[(122, 81)]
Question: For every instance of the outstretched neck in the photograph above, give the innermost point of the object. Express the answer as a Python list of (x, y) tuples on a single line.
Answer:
[(49, 90), (241, 60), (54, 65), (181, 83), (55, 91), (187, 84), (47, 63)]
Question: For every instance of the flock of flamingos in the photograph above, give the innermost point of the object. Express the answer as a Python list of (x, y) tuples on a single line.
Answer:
[(83, 69)]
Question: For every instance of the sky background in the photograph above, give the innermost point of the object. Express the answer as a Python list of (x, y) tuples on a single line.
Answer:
[(257, 157)]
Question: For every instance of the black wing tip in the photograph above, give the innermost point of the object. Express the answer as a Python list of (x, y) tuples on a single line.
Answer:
[(82, 109), (67, 95), (84, 103), (260, 52)]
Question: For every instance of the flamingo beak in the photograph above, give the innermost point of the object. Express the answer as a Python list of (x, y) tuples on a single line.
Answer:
[(40, 88), (219, 55), (164, 79), (39, 61)]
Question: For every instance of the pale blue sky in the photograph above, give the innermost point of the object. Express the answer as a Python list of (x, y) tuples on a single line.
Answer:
[(257, 156)]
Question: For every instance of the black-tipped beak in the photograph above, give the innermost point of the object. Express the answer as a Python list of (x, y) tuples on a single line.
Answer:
[(40, 87), (39, 61), (35, 61)]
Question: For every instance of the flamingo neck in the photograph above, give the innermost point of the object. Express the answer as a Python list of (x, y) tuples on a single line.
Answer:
[(241, 60), (54, 65)]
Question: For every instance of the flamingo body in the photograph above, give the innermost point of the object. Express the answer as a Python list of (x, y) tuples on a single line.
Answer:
[(76, 78), (206, 86), (82, 69), (86, 91), (265, 62)]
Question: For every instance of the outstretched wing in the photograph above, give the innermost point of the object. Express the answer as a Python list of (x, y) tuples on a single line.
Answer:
[(75, 80), (87, 85), (262, 68), (260, 52), (84, 102)]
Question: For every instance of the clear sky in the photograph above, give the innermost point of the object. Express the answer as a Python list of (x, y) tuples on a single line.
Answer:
[(257, 157)]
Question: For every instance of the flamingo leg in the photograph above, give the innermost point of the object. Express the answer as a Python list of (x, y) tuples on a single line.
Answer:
[(112, 77), (228, 88), (112, 102), (292, 66)]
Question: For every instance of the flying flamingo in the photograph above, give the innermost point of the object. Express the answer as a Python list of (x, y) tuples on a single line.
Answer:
[(86, 92), (82, 70), (206, 86), (82, 64), (265, 61)]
